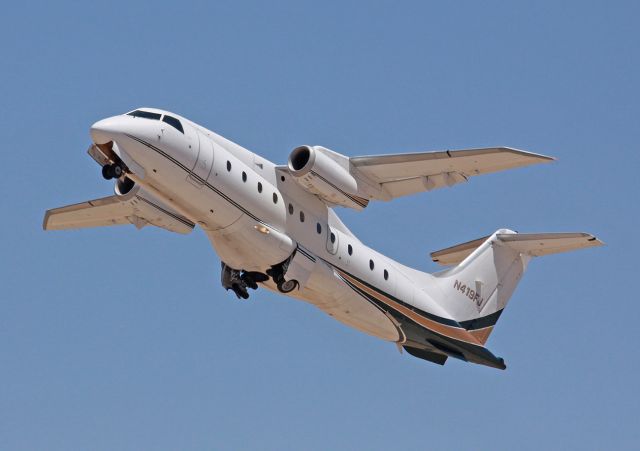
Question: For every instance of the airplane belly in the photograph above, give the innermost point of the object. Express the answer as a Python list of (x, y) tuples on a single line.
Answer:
[(327, 291), (251, 246)]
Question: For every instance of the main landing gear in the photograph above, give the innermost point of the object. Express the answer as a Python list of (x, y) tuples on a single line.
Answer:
[(277, 273), (240, 281), (112, 171)]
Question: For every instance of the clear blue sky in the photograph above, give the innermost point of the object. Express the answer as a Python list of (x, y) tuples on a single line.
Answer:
[(123, 339)]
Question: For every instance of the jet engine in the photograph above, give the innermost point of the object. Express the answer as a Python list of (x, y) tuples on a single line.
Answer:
[(326, 174), (124, 186)]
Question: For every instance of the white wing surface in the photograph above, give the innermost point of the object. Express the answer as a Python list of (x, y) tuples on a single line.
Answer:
[(399, 175), (138, 208)]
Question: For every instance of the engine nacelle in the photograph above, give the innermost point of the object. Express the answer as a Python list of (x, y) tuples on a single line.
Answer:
[(125, 186), (326, 174)]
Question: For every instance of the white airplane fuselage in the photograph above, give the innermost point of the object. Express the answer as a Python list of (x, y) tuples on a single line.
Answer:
[(274, 226), (252, 228)]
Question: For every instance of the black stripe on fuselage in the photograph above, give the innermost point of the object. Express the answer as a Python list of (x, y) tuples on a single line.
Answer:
[(306, 253), (437, 339), (196, 177), (478, 323), (173, 215), (402, 337), (483, 322)]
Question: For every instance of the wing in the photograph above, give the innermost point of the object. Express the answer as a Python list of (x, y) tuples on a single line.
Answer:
[(138, 208), (403, 174)]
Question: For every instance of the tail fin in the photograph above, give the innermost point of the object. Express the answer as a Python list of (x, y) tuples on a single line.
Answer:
[(488, 270)]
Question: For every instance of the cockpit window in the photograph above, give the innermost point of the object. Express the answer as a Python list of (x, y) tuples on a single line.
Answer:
[(175, 123), (145, 114)]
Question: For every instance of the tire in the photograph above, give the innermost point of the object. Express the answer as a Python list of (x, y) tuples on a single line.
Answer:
[(287, 286), (116, 170), (249, 281), (106, 172)]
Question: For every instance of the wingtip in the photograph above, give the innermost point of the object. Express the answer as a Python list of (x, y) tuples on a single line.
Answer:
[(45, 220), (595, 241), (539, 156)]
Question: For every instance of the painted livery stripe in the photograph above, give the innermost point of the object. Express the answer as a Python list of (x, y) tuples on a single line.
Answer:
[(174, 216), (402, 337), (455, 333), (478, 323), (482, 334), (483, 322), (199, 179), (306, 253)]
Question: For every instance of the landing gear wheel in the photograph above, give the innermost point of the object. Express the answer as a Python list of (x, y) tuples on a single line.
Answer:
[(116, 170), (106, 172), (249, 280), (240, 291), (287, 286), (112, 171)]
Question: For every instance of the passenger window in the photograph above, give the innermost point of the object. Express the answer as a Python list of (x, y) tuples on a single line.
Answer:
[(318, 228), (332, 237), (350, 249), (371, 265), (259, 187), (244, 176), (175, 123), (275, 198), (290, 209), (386, 275), (301, 216), (228, 166)]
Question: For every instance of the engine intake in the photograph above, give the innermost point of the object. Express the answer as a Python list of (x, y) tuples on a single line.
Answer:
[(124, 186), (326, 174)]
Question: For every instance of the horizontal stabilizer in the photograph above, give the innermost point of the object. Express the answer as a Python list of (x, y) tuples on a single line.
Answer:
[(431, 356), (538, 244), (533, 244), (455, 254)]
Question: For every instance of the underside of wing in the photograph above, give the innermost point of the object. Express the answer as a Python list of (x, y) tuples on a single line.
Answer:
[(138, 208), (403, 174)]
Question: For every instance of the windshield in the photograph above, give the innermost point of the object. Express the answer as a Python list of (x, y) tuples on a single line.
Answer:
[(145, 114), (175, 123)]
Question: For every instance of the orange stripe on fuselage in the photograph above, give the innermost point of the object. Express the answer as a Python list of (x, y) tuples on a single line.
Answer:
[(448, 331), (482, 334)]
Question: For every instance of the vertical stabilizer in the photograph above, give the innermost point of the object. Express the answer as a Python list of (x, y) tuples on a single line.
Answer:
[(478, 288)]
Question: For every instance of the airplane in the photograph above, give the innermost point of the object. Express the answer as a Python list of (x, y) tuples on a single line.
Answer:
[(274, 226)]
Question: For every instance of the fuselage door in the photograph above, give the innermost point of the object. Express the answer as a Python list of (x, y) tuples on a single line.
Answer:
[(204, 162)]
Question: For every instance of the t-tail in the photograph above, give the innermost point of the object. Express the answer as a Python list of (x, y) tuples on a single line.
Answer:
[(477, 289)]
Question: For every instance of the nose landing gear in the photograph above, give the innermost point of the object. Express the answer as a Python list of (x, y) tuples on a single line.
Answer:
[(112, 171)]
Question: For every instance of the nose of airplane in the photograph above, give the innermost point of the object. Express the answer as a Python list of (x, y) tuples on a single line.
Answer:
[(105, 130)]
